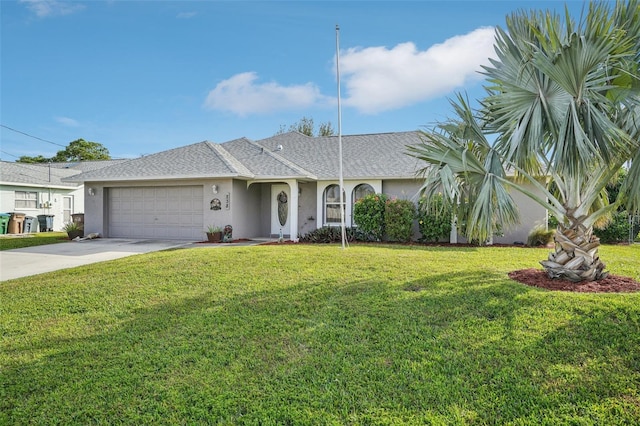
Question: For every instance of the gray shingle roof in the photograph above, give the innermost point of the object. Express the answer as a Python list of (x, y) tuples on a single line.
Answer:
[(264, 162), (35, 175), (381, 155), (202, 159), (84, 166), (288, 155)]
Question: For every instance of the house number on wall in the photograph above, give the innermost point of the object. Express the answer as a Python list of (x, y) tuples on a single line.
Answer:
[(227, 201)]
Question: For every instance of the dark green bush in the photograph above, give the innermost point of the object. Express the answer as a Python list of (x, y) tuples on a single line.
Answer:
[(540, 236), (330, 234), (434, 221), (368, 215), (398, 219), (616, 231)]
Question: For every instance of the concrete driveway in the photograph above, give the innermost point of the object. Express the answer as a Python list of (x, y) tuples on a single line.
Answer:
[(52, 257)]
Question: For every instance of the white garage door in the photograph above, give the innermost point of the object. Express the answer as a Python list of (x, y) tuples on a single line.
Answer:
[(168, 212)]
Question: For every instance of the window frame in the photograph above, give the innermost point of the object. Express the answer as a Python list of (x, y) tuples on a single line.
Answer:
[(334, 204), (24, 201)]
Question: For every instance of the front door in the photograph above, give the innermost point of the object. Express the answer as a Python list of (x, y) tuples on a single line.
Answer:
[(280, 210), (67, 209)]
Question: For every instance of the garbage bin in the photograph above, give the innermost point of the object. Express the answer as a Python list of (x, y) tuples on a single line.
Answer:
[(16, 222), (4, 222), (78, 218), (29, 225), (46, 222)]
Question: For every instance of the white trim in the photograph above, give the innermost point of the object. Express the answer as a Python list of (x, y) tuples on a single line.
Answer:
[(349, 186)]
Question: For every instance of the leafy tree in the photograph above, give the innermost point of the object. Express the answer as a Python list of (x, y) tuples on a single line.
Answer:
[(82, 150), (36, 159), (562, 108), (307, 127), (76, 151), (326, 129)]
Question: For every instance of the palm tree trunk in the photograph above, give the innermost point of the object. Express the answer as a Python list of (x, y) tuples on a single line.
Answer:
[(576, 254)]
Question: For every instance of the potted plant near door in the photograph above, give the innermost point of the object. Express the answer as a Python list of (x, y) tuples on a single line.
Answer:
[(73, 230), (214, 234)]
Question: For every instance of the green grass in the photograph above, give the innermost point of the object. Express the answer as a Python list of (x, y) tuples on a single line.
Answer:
[(316, 335), (9, 242)]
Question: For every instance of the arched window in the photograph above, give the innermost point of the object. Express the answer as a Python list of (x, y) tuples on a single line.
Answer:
[(359, 192), (332, 204)]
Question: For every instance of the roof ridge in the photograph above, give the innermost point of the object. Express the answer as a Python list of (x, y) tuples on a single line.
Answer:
[(232, 162), (283, 160)]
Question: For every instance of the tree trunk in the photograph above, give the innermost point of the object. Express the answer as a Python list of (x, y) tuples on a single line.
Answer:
[(576, 254)]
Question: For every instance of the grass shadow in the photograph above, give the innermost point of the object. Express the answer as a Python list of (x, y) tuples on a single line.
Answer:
[(420, 347)]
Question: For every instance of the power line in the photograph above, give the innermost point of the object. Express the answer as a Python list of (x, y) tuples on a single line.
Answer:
[(9, 154), (31, 136)]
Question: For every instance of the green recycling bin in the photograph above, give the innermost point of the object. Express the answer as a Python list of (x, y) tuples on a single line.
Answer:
[(4, 222)]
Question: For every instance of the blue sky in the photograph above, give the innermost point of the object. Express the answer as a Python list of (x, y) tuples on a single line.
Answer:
[(145, 76)]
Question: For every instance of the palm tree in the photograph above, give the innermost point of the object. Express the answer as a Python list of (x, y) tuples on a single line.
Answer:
[(562, 111)]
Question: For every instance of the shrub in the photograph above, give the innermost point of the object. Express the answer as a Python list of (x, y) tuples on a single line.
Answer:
[(368, 215), (71, 227), (398, 219), (539, 236), (330, 234), (616, 231), (434, 221)]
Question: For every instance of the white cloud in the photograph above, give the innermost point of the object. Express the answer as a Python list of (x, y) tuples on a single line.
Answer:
[(45, 8), (67, 121), (242, 95), (376, 79), (379, 79)]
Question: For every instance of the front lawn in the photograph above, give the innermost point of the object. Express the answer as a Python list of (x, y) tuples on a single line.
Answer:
[(305, 334), (9, 242)]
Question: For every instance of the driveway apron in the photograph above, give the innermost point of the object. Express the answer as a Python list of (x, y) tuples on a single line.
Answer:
[(39, 259)]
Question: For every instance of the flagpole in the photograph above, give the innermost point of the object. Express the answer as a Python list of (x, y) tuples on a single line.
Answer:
[(341, 179)]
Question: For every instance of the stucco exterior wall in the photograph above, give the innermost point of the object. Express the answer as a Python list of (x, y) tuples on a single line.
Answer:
[(223, 191), (52, 197), (531, 214), (246, 218), (404, 189), (307, 208)]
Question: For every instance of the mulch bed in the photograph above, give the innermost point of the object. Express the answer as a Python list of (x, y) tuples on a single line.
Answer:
[(611, 284)]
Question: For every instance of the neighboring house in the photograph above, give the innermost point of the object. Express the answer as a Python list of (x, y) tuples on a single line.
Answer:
[(39, 189), (286, 184)]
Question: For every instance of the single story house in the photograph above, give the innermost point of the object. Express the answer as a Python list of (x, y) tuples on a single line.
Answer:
[(283, 185), (39, 189)]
